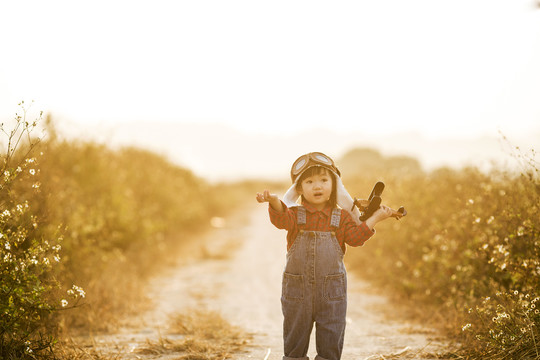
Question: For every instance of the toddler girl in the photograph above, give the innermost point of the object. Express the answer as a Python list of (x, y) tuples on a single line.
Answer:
[(314, 288)]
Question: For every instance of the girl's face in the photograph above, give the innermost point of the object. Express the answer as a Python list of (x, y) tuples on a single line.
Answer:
[(317, 189)]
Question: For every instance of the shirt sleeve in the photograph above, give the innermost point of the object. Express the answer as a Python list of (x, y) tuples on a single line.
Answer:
[(283, 219), (353, 234)]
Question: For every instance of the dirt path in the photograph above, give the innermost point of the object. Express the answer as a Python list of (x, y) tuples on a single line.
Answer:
[(245, 288)]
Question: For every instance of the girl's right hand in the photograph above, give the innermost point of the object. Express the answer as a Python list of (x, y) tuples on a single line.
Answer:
[(273, 199), (266, 196)]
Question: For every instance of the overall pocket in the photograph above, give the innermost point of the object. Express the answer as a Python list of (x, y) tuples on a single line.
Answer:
[(335, 287), (293, 286)]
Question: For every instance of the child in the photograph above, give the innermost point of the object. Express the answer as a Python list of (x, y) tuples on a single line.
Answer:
[(314, 288)]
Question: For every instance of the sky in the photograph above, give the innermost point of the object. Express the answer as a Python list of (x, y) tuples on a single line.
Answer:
[(421, 71)]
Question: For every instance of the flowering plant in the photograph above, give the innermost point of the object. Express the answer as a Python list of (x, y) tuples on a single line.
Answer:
[(26, 299)]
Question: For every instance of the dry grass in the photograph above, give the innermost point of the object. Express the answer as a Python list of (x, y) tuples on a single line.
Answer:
[(70, 350), (193, 335), (203, 335), (409, 354)]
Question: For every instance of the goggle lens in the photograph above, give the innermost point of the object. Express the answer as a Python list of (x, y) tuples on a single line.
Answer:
[(299, 164), (323, 159)]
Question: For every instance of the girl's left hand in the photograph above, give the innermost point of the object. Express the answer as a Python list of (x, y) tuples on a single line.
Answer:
[(383, 213)]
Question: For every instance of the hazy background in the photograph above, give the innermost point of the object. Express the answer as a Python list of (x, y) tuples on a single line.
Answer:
[(241, 88)]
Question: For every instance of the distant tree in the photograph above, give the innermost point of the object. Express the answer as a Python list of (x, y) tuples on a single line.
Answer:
[(370, 162)]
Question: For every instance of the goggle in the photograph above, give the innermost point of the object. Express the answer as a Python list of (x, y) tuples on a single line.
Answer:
[(312, 159)]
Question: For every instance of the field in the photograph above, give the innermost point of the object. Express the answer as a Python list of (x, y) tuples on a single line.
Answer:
[(82, 225)]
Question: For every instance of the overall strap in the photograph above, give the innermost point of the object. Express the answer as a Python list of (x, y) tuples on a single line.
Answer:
[(301, 215), (336, 217)]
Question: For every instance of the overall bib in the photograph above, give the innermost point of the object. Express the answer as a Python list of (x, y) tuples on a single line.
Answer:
[(314, 289)]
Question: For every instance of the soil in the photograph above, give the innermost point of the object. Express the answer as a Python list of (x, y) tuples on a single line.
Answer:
[(239, 276)]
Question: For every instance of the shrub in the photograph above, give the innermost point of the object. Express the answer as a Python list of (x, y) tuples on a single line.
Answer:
[(469, 236), (26, 301), (120, 210)]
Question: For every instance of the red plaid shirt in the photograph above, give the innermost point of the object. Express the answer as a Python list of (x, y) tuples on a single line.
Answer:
[(347, 233)]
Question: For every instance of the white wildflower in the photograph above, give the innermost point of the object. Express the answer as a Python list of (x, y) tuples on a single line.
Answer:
[(79, 290)]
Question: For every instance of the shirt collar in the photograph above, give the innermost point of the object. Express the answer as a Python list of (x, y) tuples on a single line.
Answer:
[(310, 208)]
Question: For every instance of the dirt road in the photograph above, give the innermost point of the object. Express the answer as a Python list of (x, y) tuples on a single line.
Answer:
[(240, 278)]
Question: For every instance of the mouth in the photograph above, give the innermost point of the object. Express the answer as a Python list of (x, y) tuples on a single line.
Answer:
[(318, 194)]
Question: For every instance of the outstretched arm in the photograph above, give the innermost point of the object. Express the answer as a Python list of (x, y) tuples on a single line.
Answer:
[(273, 199)]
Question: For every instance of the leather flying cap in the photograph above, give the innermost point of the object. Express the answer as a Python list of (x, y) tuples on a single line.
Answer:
[(309, 160)]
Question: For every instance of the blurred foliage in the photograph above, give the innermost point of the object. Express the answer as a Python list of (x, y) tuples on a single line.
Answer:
[(369, 162), (468, 236), (120, 211)]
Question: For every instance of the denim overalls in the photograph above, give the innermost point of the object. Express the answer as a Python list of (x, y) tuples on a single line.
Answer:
[(314, 290)]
